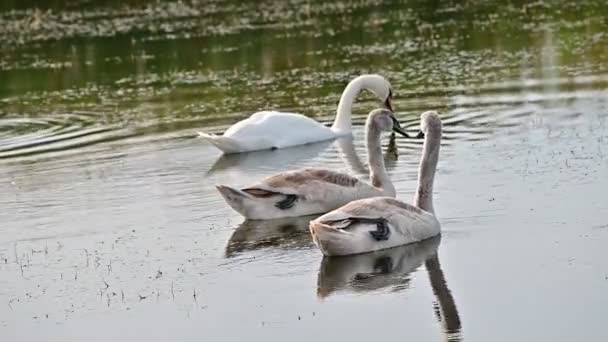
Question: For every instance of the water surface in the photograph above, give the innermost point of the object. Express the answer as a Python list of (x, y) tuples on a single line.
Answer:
[(111, 227)]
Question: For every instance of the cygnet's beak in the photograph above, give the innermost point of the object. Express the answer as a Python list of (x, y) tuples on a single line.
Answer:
[(420, 135), (397, 127)]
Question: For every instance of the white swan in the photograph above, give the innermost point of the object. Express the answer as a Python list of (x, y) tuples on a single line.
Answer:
[(273, 130), (376, 223), (313, 191)]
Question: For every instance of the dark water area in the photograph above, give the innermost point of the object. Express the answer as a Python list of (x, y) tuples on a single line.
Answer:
[(111, 227)]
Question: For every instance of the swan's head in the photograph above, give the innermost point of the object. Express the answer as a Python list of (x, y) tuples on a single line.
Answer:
[(430, 124), (380, 86), (384, 120)]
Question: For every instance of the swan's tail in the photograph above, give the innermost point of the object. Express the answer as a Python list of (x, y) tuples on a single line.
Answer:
[(235, 198), (227, 145), (331, 241)]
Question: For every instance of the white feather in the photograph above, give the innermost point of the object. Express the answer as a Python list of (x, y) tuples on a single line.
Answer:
[(272, 130)]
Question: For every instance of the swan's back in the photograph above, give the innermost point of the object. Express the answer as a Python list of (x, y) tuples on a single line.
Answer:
[(269, 129), (317, 190), (371, 224)]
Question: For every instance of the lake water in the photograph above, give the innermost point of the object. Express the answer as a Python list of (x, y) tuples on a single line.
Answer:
[(111, 228)]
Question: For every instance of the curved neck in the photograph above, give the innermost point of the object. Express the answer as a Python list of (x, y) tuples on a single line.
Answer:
[(423, 198), (347, 151), (449, 317), (377, 172), (345, 106)]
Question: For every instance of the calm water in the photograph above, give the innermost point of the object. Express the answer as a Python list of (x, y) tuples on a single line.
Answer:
[(111, 228)]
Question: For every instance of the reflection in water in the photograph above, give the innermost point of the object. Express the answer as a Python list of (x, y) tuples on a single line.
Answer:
[(273, 160), (288, 233), (349, 155), (445, 307), (390, 270), (392, 153), (351, 158), (282, 159)]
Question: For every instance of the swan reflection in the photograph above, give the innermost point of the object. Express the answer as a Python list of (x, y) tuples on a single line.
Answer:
[(383, 269), (285, 158), (392, 153), (444, 306), (390, 270), (268, 159), (285, 233), (349, 156)]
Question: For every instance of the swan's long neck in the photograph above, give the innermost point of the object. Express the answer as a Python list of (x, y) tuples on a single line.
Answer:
[(343, 122), (423, 198), (377, 172)]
